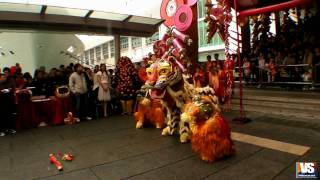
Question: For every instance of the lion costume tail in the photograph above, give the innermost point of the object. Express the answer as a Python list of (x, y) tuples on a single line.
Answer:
[(212, 139)]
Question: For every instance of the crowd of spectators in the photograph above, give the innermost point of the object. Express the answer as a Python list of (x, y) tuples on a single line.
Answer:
[(291, 56), (90, 89)]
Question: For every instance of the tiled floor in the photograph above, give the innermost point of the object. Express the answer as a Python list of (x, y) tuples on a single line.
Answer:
[(113, 149)]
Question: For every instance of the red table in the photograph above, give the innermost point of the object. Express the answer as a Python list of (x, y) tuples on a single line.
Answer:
[(52, 111)]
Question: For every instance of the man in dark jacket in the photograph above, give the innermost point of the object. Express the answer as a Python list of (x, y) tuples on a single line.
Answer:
[(7, 105)]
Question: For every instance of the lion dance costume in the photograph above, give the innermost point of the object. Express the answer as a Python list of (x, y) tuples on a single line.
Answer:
[(210, 133), (149, 110), (191, 110)]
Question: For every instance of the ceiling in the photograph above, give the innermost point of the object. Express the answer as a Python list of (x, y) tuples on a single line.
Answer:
[(21, 16)]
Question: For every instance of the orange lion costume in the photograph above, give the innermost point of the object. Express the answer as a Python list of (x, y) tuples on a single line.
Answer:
[(149, 111), (211, 137)]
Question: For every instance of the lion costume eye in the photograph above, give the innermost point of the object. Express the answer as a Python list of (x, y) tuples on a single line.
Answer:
[(149, 71), (164, 71)]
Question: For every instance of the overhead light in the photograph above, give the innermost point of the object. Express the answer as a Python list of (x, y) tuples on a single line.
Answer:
[(71, 49)]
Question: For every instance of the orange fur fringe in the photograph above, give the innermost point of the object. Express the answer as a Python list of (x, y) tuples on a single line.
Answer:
[(152, 113), (212, 139)]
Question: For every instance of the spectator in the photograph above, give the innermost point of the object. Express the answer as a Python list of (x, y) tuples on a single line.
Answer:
[(208, 64), (7, 86), (96, 69), (40, 84), (89, 75), (308, 59), (27, 80), (262, 69), (78, 86), (316, 64), (104, 87), (246, 69), (19, 78)]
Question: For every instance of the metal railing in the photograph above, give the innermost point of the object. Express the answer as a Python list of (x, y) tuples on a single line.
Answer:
[(288, 69)]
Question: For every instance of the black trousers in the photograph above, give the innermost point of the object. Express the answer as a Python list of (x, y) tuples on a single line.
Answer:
[(92, 102), (81, 104), (7, 108)]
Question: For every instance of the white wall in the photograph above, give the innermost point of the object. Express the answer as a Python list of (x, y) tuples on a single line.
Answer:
[(22, 44), (34, 49)]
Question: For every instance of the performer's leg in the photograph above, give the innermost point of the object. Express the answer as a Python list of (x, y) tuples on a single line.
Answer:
[(129, 106), (124, 107), (172, 121), (105, 106), (184, 131)]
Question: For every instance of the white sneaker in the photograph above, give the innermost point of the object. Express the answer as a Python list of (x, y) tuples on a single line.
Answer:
[(42, 124), (2, 134), (88, 118), (11, 131)]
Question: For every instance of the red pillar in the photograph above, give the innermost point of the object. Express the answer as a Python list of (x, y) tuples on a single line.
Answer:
[(117, 48)]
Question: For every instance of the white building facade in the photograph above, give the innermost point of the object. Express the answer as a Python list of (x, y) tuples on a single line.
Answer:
[(136, 48)]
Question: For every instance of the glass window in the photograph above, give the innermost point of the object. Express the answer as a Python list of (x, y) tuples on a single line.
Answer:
[(136, 42), (112, 48), (66, 11), (201, 33), (124, 43), (98, 53), (13, 7), (144, 20), (108, 16), (201, 8), (91, 56), (153, 38), (86, 57), (105, 51)]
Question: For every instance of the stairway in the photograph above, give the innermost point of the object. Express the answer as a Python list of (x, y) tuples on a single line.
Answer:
[(298, 106)]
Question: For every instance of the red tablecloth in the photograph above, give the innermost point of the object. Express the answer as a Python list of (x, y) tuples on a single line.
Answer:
[(62, 107), (52, 111)]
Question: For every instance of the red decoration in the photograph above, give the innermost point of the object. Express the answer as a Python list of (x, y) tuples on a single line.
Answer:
[(67, 157), (168, 10), (183, 18), (274, 8), (127, 77), (183, 37), (191, 2), (54, 161)]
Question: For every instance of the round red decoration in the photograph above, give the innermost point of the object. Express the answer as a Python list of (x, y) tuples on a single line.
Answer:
[(168, 10), (183, 18)]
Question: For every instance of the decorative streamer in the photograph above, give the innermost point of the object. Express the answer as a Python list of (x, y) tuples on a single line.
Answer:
[(229, 76)]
